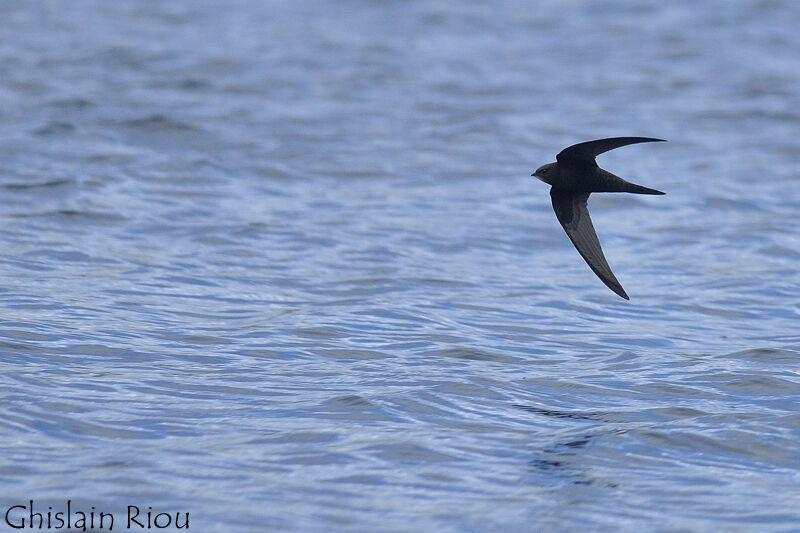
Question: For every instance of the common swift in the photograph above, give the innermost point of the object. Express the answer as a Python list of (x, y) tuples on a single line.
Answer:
[(573, 177)]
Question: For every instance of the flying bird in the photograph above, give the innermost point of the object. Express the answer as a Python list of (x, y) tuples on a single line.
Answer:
[(573, 177)]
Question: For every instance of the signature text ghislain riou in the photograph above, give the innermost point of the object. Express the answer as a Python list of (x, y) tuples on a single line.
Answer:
[(29, 517)]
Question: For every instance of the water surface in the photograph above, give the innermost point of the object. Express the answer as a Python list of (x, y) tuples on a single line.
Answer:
[(283, 265)]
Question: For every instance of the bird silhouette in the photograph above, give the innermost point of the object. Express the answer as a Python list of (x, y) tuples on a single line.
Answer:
[(573, 177)]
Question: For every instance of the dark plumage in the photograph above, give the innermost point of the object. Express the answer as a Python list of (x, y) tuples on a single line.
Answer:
[(573, 177)]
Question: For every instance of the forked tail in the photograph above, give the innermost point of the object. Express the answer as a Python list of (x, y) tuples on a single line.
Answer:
[(613, 183), (638, 189)]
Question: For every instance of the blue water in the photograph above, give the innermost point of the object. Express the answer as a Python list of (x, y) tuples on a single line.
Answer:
[(282, 266)]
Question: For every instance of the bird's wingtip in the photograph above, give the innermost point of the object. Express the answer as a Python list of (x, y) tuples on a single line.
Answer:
[(619, 291)]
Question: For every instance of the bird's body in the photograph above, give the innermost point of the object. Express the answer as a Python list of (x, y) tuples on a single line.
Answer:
[(573, 177)]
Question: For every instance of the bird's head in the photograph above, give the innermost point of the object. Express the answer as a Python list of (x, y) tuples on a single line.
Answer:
[(547, 173)]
